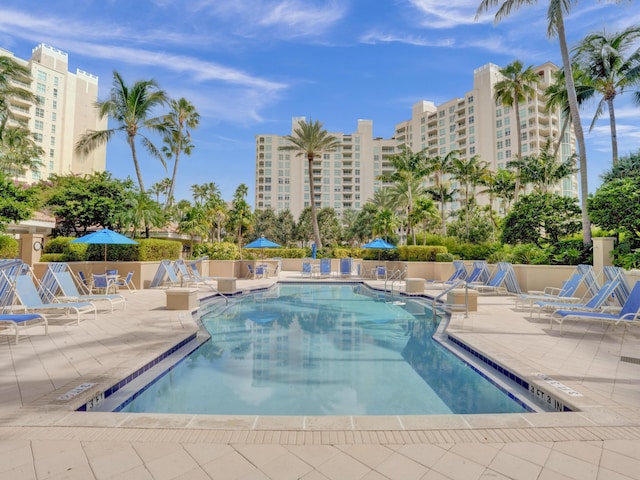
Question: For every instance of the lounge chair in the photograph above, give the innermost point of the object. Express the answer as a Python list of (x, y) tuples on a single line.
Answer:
[(552, 294), (380, 272), (19, 321), (190, 275), (629, 315), (595, 303), (479, 274), (459, 273), (325, 267), (27, 294), (70, 292), (495, 284), (306, 269)]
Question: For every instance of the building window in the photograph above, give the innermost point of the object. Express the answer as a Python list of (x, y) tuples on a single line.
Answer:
[(55, 104), (507, 142), (53, 141), (41, 88), (470, 109), (39, 125), (39, 112), (38, 137), (471, 119), (54, 116), (470, 99), (472, 150), (507, 132), (42, 76), (39, 100), (53, 129), (498, 123), (499, 145), (55, 93)]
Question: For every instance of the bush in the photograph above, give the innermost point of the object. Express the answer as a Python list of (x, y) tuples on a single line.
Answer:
[(8, 247), (217, 251), (53, 257), (57, 245), (444, 257), (420, 253)]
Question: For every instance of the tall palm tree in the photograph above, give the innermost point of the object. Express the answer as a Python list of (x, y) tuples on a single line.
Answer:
[(130, 108), (512, 90), (441, 191), (410, 169), (603, 57), (240, 215), (181, 119), (18, 150), (309, 140), (555, 16)]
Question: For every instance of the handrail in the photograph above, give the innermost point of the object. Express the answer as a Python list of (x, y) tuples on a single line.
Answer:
[(456, 284)]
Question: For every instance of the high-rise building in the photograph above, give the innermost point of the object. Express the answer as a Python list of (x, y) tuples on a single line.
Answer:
[(64, 109), (343, 179), (475, 124)]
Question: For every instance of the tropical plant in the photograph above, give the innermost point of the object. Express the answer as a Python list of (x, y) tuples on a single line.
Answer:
[(469, 172), (181, 119), (18, 150), (543, 171), (240, 215), (384, 223), (442, 191), (604, 59), (141, 213), (17, 203), (131, 109), (310, 140), (541, 218), (410, 169), (556, 11), (628, 166), (514, 88), (425, 213), (12, 76)]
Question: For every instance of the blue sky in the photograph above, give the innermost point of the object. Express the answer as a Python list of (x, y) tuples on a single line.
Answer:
[(250, 65)]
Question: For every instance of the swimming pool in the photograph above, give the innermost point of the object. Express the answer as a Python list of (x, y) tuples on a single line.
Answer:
[(302, 349)]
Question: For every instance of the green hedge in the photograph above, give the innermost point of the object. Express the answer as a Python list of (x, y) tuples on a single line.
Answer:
[(8, 247), (61, 249), (420, 253)]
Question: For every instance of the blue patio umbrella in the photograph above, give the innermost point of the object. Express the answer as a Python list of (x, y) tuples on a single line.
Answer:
[(262, 243), (379, 244), (105, 237)]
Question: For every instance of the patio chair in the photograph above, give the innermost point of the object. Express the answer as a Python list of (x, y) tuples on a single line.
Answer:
[(346, 267), (381, 272), (325, 267), (127, 282), (66, 285), (563, 294), (27, 294), (20, 321), (306, 269), (595, 303), (479, 274), (102, 284), (629, 315)]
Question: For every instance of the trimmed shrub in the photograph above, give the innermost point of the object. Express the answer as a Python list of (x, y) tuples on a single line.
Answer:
[(8, 247), (444, 257), (420, 253), (53, 257)]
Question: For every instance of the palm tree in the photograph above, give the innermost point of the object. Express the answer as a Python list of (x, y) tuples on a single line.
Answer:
[(556, 96), (384, 223), (309, 140), (240, 216), (410, 169), (555, 15), (604, 59), (544, 170), (12, 75), (130, 108), (18, 150), (513, 89), (182, 118), (469, 173), (383, 198), (193, 223), (142, 212), (441, 191)]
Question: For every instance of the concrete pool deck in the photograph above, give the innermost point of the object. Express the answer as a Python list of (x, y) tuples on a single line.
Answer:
[(44, 377)]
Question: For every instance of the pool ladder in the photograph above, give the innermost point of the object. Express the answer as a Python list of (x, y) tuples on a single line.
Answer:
[(395, 277)]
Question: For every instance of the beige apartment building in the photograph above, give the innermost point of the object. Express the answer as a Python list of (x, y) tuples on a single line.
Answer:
[(474, 124), (64, 110), (343, 179)]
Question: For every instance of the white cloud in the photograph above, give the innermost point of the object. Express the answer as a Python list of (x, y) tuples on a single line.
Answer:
[(374, 37), (446, 13)]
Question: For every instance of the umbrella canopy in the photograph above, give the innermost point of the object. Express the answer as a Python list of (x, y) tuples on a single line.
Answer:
[(105, 237), (379, 243), (262, 243)]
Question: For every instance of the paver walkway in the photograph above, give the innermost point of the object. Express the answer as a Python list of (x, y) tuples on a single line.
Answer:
[(42, 438)]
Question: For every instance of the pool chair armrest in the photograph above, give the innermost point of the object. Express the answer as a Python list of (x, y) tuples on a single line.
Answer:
[(611, 309)]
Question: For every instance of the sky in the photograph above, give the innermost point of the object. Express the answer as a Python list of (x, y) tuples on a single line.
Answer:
[(249, 66)]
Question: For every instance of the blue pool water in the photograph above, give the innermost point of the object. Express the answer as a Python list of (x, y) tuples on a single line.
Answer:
[(301, 349)]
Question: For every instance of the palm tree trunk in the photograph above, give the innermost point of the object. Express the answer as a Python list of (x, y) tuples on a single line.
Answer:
[(519, 143), (614, 134), (132, 144), (577, 127), (442, 216), (565, 124), (314, 214), (173, 178)]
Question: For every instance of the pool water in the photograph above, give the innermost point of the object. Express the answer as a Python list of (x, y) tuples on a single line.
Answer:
[(301, 349)]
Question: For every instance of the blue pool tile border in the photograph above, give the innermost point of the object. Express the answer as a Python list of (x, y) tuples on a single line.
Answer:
[(114, 388)]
